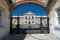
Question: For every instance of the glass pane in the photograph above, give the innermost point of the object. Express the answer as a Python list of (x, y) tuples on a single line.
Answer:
[(14, 22), (58, 12), (21, 22), (59, 19), (44, 22)]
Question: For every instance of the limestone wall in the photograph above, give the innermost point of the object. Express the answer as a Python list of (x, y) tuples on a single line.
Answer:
[(54, 22), (5, 21)]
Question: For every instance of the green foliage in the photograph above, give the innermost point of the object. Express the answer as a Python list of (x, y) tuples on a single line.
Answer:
[(14, 25)]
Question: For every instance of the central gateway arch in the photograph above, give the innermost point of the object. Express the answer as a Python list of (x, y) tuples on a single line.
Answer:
[(29, 17)]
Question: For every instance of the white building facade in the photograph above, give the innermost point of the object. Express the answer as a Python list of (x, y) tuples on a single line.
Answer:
[(30, 18)]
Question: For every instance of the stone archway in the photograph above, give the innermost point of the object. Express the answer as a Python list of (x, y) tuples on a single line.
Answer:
[(5, 20), (29, 4)]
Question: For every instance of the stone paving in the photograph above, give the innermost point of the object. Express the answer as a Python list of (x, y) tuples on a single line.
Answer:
[(14, 37), (31, 37), (50, 36), (25, 37)]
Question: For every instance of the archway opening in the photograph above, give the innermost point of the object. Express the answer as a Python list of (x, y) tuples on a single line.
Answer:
[(29, 18)]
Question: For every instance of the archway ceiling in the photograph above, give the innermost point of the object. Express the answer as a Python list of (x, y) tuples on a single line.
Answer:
[(43, 1), (47, 3)]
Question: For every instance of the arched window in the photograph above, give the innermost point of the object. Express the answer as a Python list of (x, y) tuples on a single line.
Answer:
[(58, 11), (0, 15)]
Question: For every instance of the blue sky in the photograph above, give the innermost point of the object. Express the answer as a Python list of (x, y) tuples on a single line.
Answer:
[(36, 9)]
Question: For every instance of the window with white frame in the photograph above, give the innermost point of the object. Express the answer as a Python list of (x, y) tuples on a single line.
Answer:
[(58, 11), (0, 15)]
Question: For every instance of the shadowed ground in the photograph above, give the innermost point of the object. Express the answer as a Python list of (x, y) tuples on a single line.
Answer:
[(14, 37)]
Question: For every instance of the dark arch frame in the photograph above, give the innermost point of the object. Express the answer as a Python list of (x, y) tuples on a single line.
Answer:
[(26, 2)]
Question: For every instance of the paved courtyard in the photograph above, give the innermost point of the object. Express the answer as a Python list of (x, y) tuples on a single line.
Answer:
[(14, 37), (50, 36), (24, 37)]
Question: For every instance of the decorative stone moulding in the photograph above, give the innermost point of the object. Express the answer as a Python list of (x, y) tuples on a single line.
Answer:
[(42, 2)]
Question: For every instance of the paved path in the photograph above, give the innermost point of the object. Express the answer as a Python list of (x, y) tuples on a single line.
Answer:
[(25, 37), (14, 37)]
